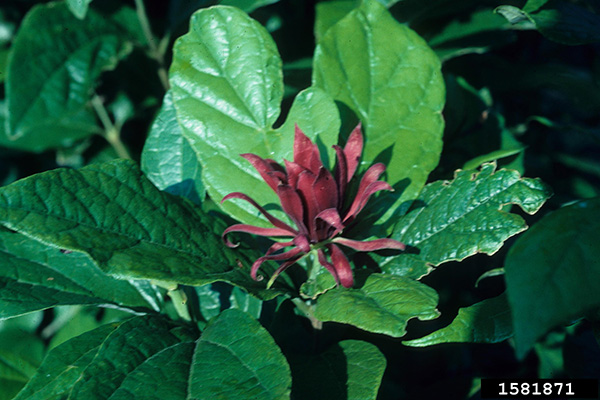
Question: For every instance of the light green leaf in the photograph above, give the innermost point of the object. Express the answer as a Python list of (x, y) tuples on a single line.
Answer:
[(383, 305), (227, 88), (328, 13), (79, 7), (168, 159), (552, 272), (488, 321), (562, 21), (211, 305), (236, 358), (391, 79), (34, 276), (53, 67), (131, 229), (95, 364), (452, 220), (350, 370)]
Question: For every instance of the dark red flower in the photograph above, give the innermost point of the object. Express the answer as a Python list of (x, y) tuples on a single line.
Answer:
[(315, 200)]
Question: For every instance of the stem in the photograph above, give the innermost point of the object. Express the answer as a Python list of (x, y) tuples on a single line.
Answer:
[(154, 50), (308, 309), (110, 133), (180, 303)]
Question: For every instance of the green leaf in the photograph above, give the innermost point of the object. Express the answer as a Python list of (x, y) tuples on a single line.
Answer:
[(131, 229), (55, 62), (488, 321), (217, 297), (391, 79), (350, 370), (236, 358), (147, 358), (562, 21), (95, 364), (21, 353), (328, 13), (227, 88), (79, 7), (452, 220), (247, 5), (383, 305), (552, 272), (35, 276), (168, 159)]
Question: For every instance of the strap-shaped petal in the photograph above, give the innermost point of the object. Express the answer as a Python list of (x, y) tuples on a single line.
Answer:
[(328, 266), (353, 150), (266, 168), (292, 206), (368, 185), (275, 257), (332, 218), (341, 174), (306, 153), (371, 245), (293, 172), (275, 221), (254, 230), (341, 265), (325, 191)]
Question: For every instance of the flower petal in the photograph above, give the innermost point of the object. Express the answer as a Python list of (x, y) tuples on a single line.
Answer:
[(341, 173), (267, 170), (292, 206), (328, 266), (275, 221), (293, 172), (368, 185), (353, 150), (371, 245), (254, 230), (306, 153), (341, 265), (325, 191), (282, 268), (331, 217), (276, 257)]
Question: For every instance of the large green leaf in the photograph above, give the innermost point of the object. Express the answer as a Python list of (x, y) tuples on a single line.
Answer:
[(147, 358), (452, 220), (131, 229), (55, 61), (34, 277), (350, 370), (488, 321), (383, 305), (553, 270), (168, 159), (95, 364), (236, 358), (227, 88), (391, 79)]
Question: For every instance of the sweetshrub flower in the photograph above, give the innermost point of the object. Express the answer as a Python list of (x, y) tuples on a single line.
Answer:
[(315, 200)]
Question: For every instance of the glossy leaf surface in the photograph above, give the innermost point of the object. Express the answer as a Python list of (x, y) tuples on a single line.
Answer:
[(488, 321), (383, 305), (452, 220), (227, 89), (391, 79)]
